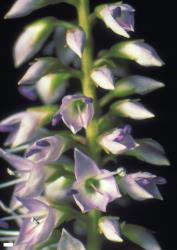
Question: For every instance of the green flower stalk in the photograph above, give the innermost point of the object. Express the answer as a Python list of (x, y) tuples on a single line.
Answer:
[(53, 189)]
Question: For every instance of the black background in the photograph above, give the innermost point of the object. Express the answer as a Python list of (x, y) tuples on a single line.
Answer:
[(156, 23)]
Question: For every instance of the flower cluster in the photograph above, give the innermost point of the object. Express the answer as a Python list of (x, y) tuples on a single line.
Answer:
[(51, 187)]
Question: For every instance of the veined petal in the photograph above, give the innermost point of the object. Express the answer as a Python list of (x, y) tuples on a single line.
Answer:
[(84, 166), (109, 226), (103, 77), (75, 39), (68, 242)]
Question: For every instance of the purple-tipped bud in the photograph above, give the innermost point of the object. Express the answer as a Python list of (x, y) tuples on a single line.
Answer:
[(32, 152), (43, 143), (56, 119), (28, 92)]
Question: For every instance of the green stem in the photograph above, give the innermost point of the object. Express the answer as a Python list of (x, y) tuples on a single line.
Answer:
[(87, 85), (93, 241), (106, 99), (93, 238)]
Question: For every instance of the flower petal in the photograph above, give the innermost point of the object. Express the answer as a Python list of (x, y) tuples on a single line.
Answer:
[(84, 166), (109, 226), (75, 39), (67, 242), (103, 77)]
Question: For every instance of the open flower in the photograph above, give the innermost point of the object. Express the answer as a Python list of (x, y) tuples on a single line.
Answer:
[(142, 185), (118, 141), (109, 226), (75, 39), (30, 181), (118, 17), (103, 77), (38, 227), (76, 112), (46, 150), (94, 188), (68, 242), (23, 126)]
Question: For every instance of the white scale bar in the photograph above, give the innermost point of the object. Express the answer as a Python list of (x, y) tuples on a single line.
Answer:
[(8, 244)]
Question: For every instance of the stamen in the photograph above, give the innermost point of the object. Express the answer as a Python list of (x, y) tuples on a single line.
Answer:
[(18, 149), (10, 233), (11, 183), (96, 189), (7, 239), (21, 216), (119, 171)]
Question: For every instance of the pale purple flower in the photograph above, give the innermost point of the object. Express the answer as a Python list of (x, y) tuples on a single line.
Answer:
[(75, 39), (118, 141), (142, 185), (22, 127), (68, 242), (76, 112), (38, 227), (103, 77), (94, 188), (30, 181), (47, 149), (109, 226), (118, 17)]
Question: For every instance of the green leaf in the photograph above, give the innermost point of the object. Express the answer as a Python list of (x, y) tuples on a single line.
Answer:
[(140, 236), (150, 151)]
